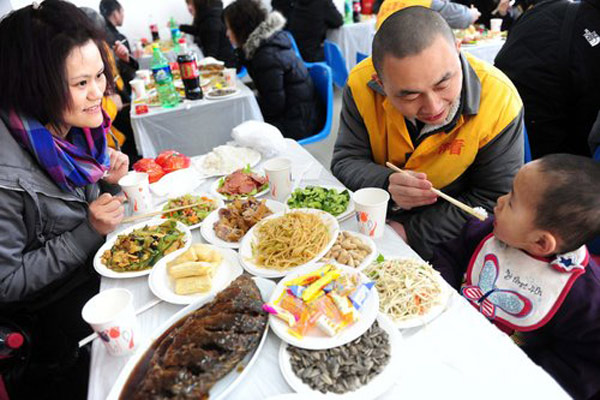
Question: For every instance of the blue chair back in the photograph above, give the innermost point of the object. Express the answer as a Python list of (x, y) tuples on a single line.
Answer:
[(360, 56), (527, 148), (321, 77), (337, 63), (243, 72)]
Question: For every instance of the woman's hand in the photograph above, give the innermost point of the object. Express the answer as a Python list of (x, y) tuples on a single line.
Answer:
[(119, 165), (106, 213), (121, 51), (411, 189)]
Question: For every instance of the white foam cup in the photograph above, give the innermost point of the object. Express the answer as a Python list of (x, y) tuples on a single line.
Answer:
[(136, 187), (279, 174), (371, 209)]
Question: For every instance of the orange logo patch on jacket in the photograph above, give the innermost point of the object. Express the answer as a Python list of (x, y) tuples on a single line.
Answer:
[(454, 147)]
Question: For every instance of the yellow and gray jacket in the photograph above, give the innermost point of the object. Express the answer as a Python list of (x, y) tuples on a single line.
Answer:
[(474, 158)]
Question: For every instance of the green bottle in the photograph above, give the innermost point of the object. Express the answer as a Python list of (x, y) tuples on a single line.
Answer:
[(167, 94)]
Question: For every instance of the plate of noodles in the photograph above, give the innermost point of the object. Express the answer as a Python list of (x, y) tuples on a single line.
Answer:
[(411, 292), (287, 240)]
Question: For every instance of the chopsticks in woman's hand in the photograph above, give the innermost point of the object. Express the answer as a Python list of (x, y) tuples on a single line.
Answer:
[(476, 213), (160, 212)]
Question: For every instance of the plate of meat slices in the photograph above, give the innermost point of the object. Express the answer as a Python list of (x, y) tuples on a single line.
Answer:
[(241, 184), (223, 333), (227, 226)]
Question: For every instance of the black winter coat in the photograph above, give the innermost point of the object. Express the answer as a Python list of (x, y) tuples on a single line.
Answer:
[(309, 22), (556, 74), (286, 94), (209, 34)]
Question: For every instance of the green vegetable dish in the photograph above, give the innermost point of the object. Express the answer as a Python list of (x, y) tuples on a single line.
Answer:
[(142, 248), (330, 200)]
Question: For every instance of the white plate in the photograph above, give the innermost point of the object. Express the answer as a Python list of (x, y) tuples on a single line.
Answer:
[(218, 200), (246, 245), (433, 312), (162, 286), (226, 384), (210, 96), (373, 389), (369, 258), (349, 209), (315, 339), (215, 186), (177, 183), (109, 273), (208, 232), (198, 161)]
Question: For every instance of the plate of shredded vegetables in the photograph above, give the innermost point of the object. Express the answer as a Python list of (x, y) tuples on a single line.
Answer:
[(192, 216), (134, 251), (335, 200), (411, 292)]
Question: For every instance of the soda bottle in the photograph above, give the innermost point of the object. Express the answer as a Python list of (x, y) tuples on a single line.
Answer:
[(189, 72), (174, 30), (13, 346), (348, 11), (167, 94), (154, 31), (356, 11), (176, 33)]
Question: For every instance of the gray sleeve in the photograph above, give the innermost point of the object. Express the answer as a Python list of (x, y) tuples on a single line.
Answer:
[(489, 177), (457, 15), (24, 272), (352, 161)]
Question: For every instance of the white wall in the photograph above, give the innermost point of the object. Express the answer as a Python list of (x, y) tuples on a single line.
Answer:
[(137, 21)]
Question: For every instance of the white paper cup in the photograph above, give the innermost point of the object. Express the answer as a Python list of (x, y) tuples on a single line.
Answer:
[(111, 315), (230, 77), (279, 174), (145, 75), (371, 208), (137, 190), (495, 24), (138, 87)]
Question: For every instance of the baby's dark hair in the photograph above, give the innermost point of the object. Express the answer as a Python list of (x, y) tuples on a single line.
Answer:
[(570, 205)]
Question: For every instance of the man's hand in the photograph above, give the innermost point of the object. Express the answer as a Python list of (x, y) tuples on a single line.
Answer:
[(475, 14), (411, 189), (119, 165), (106, 213), (121, 51)]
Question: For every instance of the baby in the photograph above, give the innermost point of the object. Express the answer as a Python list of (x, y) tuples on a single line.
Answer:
[(528, 270)]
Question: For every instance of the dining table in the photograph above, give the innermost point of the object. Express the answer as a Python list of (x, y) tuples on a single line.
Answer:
[(459, 354), (352, 38)]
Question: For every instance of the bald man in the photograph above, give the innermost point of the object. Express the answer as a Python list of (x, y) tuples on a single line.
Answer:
[(451, 121)]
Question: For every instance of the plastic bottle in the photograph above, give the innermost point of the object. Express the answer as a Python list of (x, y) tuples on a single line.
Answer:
[(154, 29), (175, 33), (167, 94), (13, 346), (348, 11), (190, 75), (356, 11)]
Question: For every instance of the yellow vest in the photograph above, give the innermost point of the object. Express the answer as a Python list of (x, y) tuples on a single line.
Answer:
[(391, 6), (442, 156)]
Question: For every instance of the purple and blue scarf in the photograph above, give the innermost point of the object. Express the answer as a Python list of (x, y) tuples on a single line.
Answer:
[(79, 161)]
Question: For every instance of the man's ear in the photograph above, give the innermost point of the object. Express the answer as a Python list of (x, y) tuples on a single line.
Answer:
[(546, 244), (458, 44), (375, 77)]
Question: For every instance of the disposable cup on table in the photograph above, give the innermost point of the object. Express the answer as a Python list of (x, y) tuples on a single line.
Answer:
[(138, 86), (230, 77), (111, 315), (279, 174), (496, 24), (371, 208), (145, 75), (136, 186)]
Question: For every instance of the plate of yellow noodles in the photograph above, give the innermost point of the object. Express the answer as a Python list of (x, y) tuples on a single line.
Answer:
[(287, 240)]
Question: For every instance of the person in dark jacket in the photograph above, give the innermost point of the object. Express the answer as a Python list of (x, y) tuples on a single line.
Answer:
[(208, 30), (552, 55), (492, 9), (309, 22), (286, 93), (528, 270), (54, 166), (114, 14), (285, 7)]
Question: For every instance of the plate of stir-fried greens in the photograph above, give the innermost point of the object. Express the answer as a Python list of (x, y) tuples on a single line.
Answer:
[(134, 251)]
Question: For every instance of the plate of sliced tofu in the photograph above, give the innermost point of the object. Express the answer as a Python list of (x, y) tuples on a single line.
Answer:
[(194, 275)]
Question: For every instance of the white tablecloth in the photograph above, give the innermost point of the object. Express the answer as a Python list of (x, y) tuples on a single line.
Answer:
[(352, 38), (458, 355), (485, 50), (193, 127)]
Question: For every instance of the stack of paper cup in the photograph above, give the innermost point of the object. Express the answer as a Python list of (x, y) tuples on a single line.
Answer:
[(145, 75), (230, 77), (496, 24), (136, 186), (279, 174), (111, 315), (138, 87), (371, 208)]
